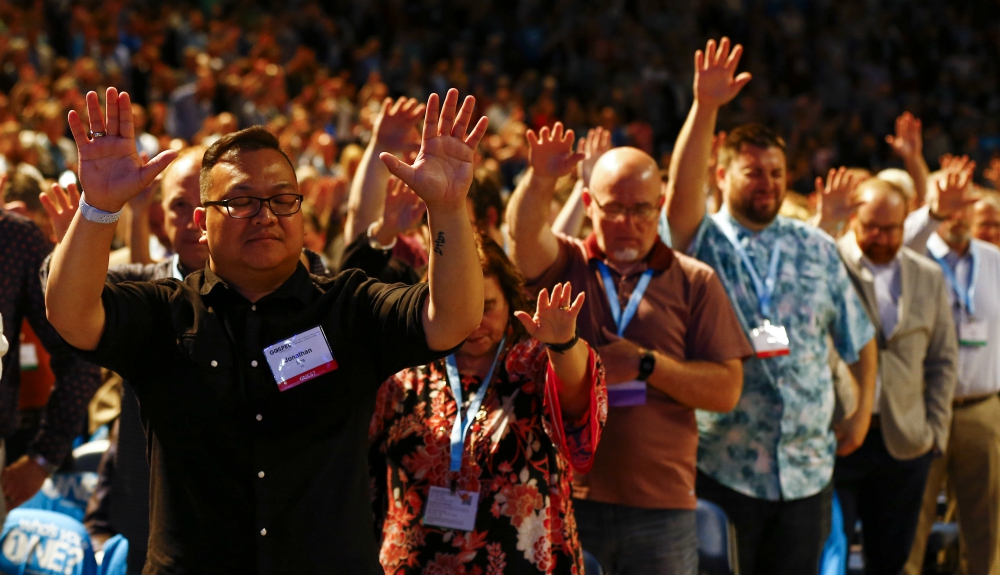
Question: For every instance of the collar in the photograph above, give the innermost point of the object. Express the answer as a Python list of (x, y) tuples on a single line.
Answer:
[(298, 286), (940, 250), (742, 230), (659, 258), (851, 251)]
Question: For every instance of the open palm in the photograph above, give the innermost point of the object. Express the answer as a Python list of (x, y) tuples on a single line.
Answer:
[(442, 171), (714, 70), (550, 152), (111, 172), (555, 316)]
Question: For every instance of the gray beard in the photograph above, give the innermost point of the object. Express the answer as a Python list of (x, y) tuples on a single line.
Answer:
[(626, 255)]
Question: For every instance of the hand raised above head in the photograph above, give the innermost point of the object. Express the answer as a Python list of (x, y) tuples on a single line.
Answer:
[(908, 142), (837, 198), (395, 127), (592, 147), (61, 205), (442, 171), (953, 192), (111, 172), (555, 317), (714, 71), (550, 152)]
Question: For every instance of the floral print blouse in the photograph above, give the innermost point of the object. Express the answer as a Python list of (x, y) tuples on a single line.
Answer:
[(519, 455)]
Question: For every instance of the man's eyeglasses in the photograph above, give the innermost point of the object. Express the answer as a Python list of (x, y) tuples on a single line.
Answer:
[(248, 206), (872, 229), (616, 212)]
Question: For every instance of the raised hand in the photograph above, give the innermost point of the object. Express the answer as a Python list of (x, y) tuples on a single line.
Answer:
[(61, 205), (908, 143), (442, 172), (395, 127), (837, 200), (714, 69), (403, 209), (555, 317), (592, 147), (111, 172), (953, 191), (550, 152)]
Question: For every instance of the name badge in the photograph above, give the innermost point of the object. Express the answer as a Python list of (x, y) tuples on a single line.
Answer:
[(28, 357), (972, 332), (300, 358), (451, 510), (769, 340), (627, 394)]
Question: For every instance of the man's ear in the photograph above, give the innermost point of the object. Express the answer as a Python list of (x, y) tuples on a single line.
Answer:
[(200, 217)]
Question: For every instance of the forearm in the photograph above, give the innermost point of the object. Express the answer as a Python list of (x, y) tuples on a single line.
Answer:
[(76, 281), (864, 372), (571, 369), (918, 170), (570, 218), (697, 384), (139, 236), (455, 277), (367, 197), (689, 175), (919, 227), (533, 244)]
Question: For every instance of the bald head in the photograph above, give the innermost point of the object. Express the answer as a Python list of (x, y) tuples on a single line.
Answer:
[(878, 223), (986, 219), (623, 202), (626, 175), (876, 193)]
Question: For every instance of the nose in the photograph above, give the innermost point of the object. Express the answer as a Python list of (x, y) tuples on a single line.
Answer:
[(265, 215)]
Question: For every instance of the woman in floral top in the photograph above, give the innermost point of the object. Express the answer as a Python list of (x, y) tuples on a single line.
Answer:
[(541, 415)]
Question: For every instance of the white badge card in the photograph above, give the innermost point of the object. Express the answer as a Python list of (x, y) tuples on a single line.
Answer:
[(300, 358), (972, 332), (451, 510), (770, 340), (627, 394), (28, 356)]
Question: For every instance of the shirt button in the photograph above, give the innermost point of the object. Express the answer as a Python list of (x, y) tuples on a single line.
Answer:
[(253, 363), (254, 307), (263, 532), (215, 363), (259, 417), (260, 474)]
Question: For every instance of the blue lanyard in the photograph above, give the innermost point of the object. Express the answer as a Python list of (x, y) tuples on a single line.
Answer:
[(964, 299), (460, 430), (622, 319), (764, 288)]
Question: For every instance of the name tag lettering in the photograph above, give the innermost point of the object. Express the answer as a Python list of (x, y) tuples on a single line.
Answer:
[(300, 358), (451, 510), (770, 340)]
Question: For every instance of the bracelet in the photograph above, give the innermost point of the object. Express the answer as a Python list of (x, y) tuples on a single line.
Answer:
[(95, 215), (562, 347), (375, 245), (45, 464)]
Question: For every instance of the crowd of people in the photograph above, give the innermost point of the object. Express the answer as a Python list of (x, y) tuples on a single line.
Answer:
[(353, 325)]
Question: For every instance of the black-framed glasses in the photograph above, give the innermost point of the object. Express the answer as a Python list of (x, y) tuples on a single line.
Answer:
[(617, 212), (890, 230), (249, 206)]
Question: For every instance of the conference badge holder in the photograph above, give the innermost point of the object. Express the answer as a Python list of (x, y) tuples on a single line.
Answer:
[(449, 509), (299, 358), (972, 332), (770, 340)]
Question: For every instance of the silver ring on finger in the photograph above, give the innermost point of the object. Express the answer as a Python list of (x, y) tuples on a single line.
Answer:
[(94, 134)]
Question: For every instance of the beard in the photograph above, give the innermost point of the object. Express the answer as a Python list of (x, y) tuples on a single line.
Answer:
[(626, 255), (747, 207), (880, 255)]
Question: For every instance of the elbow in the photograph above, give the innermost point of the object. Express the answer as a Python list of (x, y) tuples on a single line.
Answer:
[(731, 389)]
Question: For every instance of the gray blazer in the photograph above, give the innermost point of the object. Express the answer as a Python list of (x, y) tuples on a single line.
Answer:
[(918, 360)]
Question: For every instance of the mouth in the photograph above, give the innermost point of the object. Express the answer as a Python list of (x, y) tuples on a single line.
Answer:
[(263, 239)]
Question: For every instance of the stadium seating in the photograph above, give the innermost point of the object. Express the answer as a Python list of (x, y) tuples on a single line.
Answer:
[(716, 541)]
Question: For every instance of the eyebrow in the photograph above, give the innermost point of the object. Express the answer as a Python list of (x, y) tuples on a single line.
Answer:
[(245, 187)]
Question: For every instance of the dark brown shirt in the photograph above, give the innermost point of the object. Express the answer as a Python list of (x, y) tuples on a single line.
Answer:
[(245, 478), (648, 453)]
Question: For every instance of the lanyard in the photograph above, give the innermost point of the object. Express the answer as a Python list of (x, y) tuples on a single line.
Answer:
[(622, 319), (460, 430), (764, 288), (964, 299)]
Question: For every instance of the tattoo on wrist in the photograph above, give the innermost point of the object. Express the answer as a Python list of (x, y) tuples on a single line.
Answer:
[(439, 244)]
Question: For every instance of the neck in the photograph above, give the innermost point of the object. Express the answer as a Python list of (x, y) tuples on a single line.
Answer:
[(960, 247), (254, 285), (625, 268), (746, 222), (476, 365)]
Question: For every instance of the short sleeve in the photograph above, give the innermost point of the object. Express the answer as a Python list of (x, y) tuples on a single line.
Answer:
[(700, 236), (851, 328), (557, 270), (714, 332)]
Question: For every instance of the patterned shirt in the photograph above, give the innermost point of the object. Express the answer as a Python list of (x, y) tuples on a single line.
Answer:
[(778, 442), (522, 458), (23, 249)]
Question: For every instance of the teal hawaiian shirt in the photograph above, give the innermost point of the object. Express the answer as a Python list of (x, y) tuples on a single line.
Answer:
[(777, 443)]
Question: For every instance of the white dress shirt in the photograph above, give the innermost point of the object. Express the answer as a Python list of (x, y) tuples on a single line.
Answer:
[(888, 287)]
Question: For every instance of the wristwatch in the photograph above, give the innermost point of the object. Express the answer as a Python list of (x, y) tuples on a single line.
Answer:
[(647, 363), (95, 215), (45, 464)]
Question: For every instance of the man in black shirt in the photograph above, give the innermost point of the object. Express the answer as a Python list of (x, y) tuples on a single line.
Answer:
[(259, 380)]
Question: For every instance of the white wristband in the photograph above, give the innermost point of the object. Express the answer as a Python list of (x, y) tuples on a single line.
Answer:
[(374, 243), (95, 215)]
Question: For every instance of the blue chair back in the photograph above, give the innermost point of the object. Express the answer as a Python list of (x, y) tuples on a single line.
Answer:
[(38, 542), (834, 560), (591, 566), (115, 561), (716, 541), (65, 493)]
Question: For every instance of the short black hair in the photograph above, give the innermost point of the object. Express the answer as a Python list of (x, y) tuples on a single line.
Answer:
[(756, 135), (247, 140), (22, 187), (485, 194)]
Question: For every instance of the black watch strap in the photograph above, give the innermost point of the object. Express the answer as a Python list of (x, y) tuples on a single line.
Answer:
[(562, 347), (647, 363)]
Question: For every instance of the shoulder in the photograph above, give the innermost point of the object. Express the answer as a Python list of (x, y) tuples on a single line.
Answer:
[(575, 248), (922, 264), (15, 227), (693, 268), (805, 233), (988, 252)]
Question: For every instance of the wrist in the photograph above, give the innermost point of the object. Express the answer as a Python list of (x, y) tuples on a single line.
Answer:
[(565, 345), (379, 238), (40, 460), (101, 214), (542, 178), (647, 364)]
